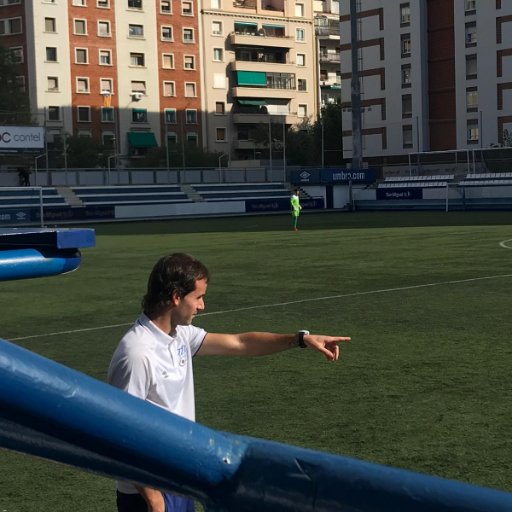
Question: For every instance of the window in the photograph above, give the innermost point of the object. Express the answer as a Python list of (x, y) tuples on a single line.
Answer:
[(405, 14), (53, 84), (103, 4), (165, 6), (218, 54), (80, 3), (220, 134), (135, 30), (108, 139), (217, 28), (186, 8), (107, 115), (190, 89), (191, 116), (9, 2), (407, 136), (471, 69), (188, 35), (104, 28), (220, 107), (301, 59), (82, 85), (192, 138), (166, 33), (299, 10), (473, 133), (85, 134), (302, 84), (406, 106), (106, 85), (168, 61), (83, 114), (80, 27), (471, 99), (188, 62), (137, 59), (17, 54), (20, 82), (470, 34), (405, 45), (302, 111), (53, 113), (170, 115), (50, 25), (300, 34), (406, 75), (215, 4), (10, 26), (138, 86), (470, 5), (135, 4), (169, 89), (172, 139), (51, 54), (139, 115), (81, 56), (105, 57)]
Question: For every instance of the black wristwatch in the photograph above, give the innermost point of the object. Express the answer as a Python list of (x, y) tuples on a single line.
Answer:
[(300, 337)]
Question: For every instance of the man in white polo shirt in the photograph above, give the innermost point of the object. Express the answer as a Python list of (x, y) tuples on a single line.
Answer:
[(153, 360)]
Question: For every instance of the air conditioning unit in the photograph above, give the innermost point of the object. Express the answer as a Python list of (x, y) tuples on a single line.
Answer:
[(137, 96)]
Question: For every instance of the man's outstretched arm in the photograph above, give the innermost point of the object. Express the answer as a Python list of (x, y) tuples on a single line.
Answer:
[(264, 343)]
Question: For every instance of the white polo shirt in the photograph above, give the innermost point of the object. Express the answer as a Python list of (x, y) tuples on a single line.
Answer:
[(150, 364)]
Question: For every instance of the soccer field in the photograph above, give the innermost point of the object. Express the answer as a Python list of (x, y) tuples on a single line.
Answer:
[(424, 385)]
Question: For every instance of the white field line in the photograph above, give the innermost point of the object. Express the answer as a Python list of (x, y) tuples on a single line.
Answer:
[(505, 243), (301, 301)]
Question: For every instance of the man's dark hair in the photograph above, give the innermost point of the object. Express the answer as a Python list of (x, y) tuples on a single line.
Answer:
[(176, 272)]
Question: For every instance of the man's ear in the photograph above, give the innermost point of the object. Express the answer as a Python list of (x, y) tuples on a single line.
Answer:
[(175, 298)]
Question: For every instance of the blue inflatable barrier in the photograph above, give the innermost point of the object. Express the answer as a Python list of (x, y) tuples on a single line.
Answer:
[(40, 252), (49, 410)]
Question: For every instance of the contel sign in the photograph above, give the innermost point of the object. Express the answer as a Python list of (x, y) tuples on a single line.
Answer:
[(21, 137)]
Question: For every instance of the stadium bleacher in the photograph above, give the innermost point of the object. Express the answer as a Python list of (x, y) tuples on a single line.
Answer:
[(29, 197), (416, 181), (487, 179), (130, 194), (234, 192)]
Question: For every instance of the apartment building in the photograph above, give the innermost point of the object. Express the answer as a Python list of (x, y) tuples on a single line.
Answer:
[(259, 70), (435, 75), (126, 72), (327, 29)]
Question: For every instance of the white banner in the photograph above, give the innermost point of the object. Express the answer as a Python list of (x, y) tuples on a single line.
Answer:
[(21, 137)]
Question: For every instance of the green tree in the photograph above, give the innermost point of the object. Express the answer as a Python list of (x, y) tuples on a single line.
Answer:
[(14, 101), (86, 152)]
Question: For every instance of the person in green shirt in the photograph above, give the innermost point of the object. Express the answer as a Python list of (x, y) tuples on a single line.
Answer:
[(296, 208)]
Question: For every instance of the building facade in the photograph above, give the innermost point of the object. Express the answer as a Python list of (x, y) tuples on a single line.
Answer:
[(126, 72), (259, 62), (327, 29), (226, 75), (435, 75)]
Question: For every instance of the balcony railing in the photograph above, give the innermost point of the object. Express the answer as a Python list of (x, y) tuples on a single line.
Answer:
[(329, 57)]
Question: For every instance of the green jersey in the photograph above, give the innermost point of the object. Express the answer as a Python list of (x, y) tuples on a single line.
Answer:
[(295, 204)]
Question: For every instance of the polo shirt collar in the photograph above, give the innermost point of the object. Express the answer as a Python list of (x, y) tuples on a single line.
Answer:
[(159, 335)]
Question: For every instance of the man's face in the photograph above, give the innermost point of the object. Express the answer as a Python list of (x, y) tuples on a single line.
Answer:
[(191, 304)]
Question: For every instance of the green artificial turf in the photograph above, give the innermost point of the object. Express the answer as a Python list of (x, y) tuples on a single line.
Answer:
[(424, 385)]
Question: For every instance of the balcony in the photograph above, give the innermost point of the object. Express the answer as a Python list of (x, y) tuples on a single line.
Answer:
[(263, 92), (257, 118), (278, 67), (260, 39), (329, 58)]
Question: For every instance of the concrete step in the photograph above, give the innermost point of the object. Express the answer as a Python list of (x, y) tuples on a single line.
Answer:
[(71, 198)]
